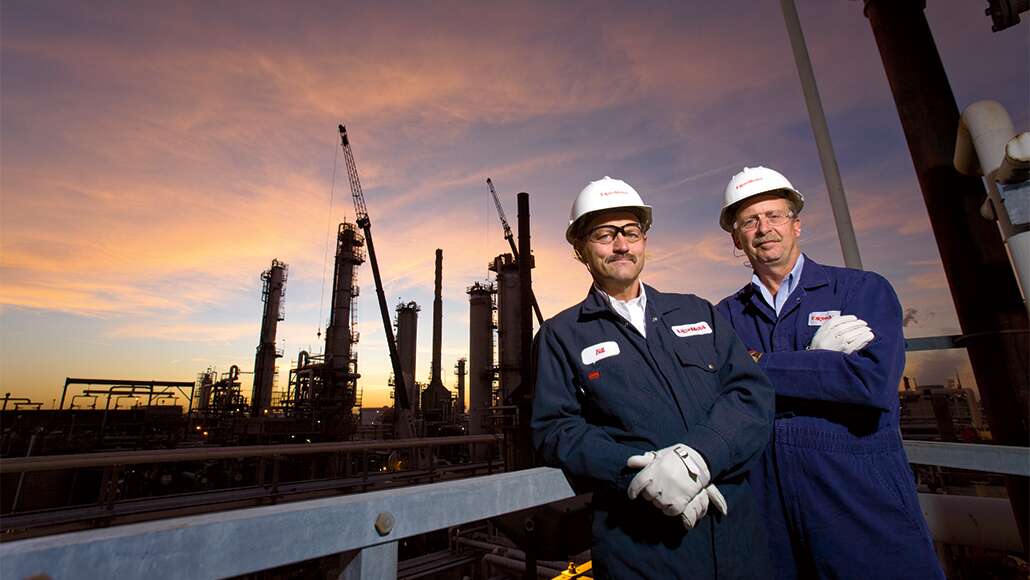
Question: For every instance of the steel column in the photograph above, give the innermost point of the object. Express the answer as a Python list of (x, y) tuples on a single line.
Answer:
[(970, 247)]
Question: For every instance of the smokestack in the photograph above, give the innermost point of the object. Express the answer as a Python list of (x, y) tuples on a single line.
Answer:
[(523, 395), (437, 321)]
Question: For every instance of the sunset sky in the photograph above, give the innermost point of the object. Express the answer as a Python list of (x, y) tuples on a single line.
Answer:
[(156, 156)]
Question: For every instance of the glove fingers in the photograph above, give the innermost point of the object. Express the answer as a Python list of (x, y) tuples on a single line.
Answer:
[(649, 493), (853, 334), (695, 510), (850, 326), (863, 339), (674, 508), (857, 340), (640, 461), (838, 320), (638, 484), (718, 500)]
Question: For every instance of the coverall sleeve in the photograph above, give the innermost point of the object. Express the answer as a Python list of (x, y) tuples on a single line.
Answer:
[(737, 427), (868, 377), (561, 434)]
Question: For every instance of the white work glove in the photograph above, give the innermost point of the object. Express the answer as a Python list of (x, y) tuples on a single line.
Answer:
[(845, 334), (669, 478), (698, 507)]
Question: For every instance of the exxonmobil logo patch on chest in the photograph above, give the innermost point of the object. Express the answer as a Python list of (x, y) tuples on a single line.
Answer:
[(821, 318), (601, 350), (692, 329)]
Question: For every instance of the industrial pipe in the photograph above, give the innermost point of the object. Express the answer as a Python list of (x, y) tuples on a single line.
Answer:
[(518, 566), (982, 147), (995, 329)]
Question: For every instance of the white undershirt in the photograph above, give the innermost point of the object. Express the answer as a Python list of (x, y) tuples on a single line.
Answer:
[(632, 309)]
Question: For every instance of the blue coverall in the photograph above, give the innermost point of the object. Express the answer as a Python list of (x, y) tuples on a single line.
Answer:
[(605, 393), (835, 485)]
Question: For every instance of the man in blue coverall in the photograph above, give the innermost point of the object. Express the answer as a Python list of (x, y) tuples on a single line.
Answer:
[(650, 401), (834, 485)]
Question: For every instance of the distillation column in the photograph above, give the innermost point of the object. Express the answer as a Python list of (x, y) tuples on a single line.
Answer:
[(509, 316), (481, 354), (459, 370), (272, 294), (407, 334), (341, 364)]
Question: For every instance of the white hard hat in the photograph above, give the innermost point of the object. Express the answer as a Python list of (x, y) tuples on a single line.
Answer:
[(604, 195), (754, 181)]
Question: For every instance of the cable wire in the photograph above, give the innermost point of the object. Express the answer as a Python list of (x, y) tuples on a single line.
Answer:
[(328, 229)]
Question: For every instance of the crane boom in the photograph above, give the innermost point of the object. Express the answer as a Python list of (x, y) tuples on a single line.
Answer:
[(360, 211), (504, 222), (511, 242), (402, 416)]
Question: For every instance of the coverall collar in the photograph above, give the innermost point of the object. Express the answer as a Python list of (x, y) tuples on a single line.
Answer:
[(813, 275), (597, 302)]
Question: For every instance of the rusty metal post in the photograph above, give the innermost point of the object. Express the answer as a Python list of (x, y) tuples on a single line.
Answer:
[(995, 329)]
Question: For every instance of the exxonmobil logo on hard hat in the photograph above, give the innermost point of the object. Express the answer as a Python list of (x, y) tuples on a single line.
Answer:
[(607, 193), (749, 182)]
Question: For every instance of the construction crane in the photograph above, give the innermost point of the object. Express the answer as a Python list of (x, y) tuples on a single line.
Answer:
[(511, 242), (402, 413)]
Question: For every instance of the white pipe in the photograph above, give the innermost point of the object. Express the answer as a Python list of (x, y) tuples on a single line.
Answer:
[(985, 146), (983, 131), (1019, 251)]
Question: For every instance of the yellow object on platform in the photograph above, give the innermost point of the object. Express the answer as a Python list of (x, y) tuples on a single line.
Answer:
[(575, 571)]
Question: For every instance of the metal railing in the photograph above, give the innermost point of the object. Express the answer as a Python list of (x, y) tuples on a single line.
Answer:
[(975, 457), (363, 529)]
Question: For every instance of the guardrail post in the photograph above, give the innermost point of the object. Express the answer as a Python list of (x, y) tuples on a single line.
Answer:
[(373, 563), (276, 461)]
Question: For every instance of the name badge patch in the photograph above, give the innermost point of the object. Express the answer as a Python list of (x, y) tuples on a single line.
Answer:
[(692, 329), (601, 350), (821, 318)]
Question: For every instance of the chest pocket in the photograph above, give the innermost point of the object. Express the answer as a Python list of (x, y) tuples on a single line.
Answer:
[(618, 393), (697, 358), (810, 321)]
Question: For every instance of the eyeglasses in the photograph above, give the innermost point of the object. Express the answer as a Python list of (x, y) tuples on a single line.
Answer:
[(773, 218), (632, 233)]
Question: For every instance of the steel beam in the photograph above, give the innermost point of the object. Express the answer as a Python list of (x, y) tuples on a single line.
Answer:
[(988, 458), (49, 462), (245, 541)]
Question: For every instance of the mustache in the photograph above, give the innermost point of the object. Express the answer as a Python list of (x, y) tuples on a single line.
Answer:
[(770, 237), (618, 257)]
